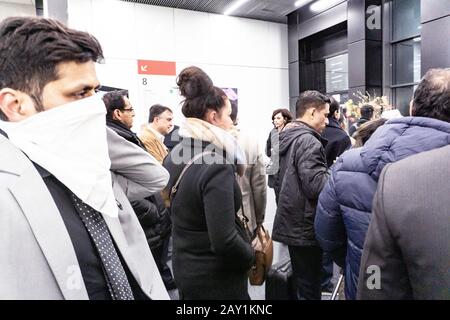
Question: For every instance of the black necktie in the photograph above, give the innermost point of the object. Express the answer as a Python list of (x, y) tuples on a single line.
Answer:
[(115, 275)]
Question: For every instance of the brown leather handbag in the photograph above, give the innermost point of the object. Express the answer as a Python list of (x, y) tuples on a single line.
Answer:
[(263, 261)]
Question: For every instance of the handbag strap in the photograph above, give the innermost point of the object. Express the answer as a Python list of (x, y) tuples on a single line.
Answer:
[(186, 167), (244, 219)]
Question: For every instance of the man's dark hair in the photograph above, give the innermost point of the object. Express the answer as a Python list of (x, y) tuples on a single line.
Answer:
[(367, 111), (31, 49), (156, 110), (432, 96), (114, 100), (334, 106), (310, 99)]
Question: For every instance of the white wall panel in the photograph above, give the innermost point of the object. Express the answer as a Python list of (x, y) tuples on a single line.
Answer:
[(14, 9), (277, 42), (154, 32), (114, 25), (192, 36), (223, 40), (81, 14)]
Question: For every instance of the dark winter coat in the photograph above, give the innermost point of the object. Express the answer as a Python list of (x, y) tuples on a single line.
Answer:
[(211, 257), (303, 173), (123, 131), (338, 141), (345, 204)]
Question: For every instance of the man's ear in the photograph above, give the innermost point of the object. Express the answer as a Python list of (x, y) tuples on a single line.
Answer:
[(11, 105), (116, 114), (411, 108)]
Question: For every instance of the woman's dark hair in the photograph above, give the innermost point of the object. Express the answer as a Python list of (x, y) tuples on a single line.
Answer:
[(365, 131), (199, 92), (285, 113), (31, 49)]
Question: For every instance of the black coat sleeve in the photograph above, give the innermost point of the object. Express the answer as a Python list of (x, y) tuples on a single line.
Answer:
[(269, 145), (146, 211), (310, 162)]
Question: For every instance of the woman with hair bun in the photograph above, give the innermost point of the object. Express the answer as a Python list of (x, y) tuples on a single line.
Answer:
[(211, 252)]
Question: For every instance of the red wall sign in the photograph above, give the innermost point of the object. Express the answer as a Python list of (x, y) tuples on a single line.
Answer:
[(158, 68)]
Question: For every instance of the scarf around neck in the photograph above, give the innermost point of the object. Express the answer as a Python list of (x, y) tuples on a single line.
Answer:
[(198, 129)]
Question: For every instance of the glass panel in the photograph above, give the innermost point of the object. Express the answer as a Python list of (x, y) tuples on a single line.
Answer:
[(407, 57), (406, 19), (336, 73), (403, 97)]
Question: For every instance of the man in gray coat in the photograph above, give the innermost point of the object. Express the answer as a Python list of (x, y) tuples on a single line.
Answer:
[(67, 229), (407, 249)]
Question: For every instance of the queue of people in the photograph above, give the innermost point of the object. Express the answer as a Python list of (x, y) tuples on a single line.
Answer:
[(97, 206)]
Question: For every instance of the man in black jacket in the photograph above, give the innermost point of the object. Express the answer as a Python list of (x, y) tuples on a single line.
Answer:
[(151, 212), (303, 173), (367, 112)]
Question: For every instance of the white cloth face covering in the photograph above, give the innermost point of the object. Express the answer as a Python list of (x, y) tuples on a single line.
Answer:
[(69, 141)]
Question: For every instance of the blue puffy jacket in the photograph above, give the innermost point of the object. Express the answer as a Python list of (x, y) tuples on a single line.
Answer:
[(345, 204)]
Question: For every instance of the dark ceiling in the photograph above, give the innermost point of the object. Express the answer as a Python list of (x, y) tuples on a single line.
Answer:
[(267, 10)]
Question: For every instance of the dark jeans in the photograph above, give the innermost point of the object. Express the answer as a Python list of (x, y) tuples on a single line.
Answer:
[(160, 254), (306, 271), (327, 273)]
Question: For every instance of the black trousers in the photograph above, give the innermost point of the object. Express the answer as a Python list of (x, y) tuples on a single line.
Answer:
[(306, 271), (160, 254), (327, 273)]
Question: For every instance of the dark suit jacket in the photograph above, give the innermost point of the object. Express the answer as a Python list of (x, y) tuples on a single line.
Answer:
[(338, 141), (409, 238)]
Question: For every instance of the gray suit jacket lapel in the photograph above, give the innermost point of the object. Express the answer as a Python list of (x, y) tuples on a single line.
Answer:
[(50, 232)]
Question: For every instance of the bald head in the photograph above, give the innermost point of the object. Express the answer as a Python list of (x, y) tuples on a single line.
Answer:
[(432, 96)]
